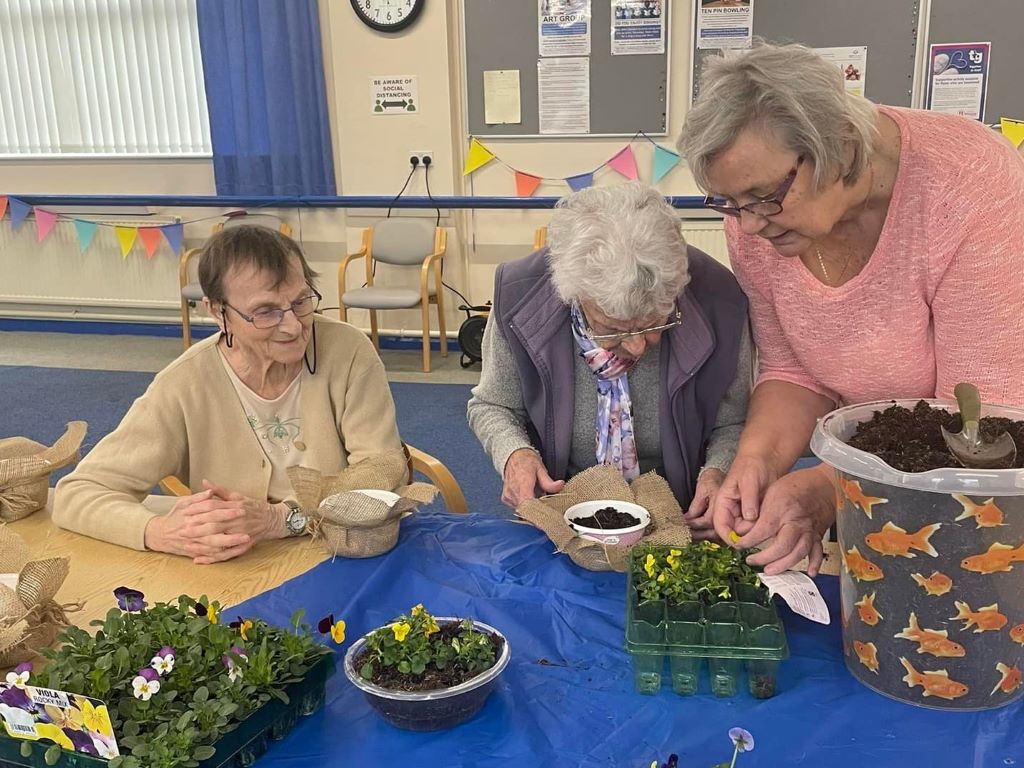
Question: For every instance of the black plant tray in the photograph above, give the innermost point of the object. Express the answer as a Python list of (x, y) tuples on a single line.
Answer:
[(235, 749)]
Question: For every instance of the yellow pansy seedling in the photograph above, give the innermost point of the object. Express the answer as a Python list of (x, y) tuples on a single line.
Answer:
[(401, 631)]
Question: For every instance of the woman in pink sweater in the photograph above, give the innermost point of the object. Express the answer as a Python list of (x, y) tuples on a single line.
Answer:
[(882, 251)]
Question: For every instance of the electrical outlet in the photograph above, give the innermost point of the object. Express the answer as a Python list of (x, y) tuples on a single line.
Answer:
[(422, 154)]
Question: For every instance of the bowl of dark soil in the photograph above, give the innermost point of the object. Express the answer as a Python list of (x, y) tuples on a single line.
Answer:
[(932, 554), (608, 521), (426, 673)]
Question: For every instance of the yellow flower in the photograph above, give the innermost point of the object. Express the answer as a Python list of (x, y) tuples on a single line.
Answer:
[(711, 545), (432, 628), (649, 565), (212, 614), (418, 610), (96, 719), (338, 632), (675, 552), (733, 536), (661, 578), (244, 628), (54, 733), (400, 630)]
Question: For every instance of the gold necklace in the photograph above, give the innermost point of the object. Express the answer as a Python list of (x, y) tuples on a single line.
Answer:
[(849, 255)]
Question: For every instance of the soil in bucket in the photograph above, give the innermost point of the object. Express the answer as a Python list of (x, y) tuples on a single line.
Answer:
[(608, 519), (932, 609)]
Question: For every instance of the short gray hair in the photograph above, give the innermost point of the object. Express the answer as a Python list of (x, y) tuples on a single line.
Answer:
[(792, 92), (619, 247)]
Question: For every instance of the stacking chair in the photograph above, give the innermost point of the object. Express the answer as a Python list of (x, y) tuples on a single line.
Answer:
[(540, 238), (188, 277), (399, 242)]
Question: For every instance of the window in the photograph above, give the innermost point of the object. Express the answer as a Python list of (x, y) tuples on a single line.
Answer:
[(101, 77)]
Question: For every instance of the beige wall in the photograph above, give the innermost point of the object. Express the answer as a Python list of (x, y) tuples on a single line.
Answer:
[(371, 158)]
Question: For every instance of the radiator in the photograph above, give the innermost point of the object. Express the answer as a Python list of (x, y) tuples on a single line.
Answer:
[(707, 237)]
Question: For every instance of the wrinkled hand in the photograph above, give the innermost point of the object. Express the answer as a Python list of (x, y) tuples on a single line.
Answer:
[(214, 525), (700, 515), (797, 510), (524, 471), (738, 502)]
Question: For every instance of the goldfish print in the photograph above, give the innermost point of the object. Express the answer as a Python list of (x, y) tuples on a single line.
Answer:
[(937, 683), (867, 654), (857, 497), (867, 611), (996, 559), (893, 540), (986, 514), (984, 619), (860, 567), (936, 584), (1010, 680), (1017, 634), (933, 641)]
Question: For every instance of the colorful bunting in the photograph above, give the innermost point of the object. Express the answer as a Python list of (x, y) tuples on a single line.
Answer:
[(19, 211), (126, 237), (174, 234), (580, 181), (624, 162), (3, 205), (479, 156), (526, 184), (1013, 130), (664, 161), (150, 237), (44, 223), (86, 232)]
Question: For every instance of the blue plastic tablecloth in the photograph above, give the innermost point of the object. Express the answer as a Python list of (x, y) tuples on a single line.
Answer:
[(578, 707)]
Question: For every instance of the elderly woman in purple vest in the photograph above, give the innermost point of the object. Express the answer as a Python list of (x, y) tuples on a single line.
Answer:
[(617, 344)]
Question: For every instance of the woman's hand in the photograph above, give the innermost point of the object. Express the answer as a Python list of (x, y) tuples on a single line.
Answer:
[(797, 510), (738, 501), (700, 514), (524, 471)]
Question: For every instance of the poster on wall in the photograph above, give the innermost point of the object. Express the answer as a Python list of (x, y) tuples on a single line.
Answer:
[(394, 94), (852, 62), (638, 26), (563, 27), (563, 98), (958, 78), (502, 103), (725, 24)]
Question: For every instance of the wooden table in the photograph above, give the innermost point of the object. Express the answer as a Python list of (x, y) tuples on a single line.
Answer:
[(97, 568)]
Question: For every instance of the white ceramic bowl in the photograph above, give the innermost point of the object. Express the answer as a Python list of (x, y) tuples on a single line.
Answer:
[(387, 497), (623, 536)]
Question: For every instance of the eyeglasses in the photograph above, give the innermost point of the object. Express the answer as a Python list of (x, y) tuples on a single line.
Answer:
[(767, 206), (265, 319), (614, 339)]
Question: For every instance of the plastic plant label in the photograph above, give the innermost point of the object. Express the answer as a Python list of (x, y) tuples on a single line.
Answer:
[(77, 723), (9, 580), (800, 593)]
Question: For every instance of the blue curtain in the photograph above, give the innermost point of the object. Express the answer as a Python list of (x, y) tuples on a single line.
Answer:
[(264, 74)]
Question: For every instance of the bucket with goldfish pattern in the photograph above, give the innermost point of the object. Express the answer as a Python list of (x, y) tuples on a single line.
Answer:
[(932, 576)]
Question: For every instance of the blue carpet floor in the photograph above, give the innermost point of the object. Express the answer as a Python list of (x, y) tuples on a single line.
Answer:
[(38, 402)]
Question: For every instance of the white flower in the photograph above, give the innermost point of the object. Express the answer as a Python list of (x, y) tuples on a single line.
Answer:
[(145, 688), (106, 752), (234, 672), (18, 680), (163, 664)]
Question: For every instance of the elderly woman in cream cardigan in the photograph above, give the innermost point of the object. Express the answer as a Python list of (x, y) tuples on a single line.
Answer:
[(279, 386)]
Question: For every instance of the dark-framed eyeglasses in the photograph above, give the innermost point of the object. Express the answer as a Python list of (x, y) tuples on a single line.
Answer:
[(265, 319), (676, 318), (766, 206)]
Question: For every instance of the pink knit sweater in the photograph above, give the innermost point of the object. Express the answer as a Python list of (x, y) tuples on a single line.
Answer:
[(941, 299)]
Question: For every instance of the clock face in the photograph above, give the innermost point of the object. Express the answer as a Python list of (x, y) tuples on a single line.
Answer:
[(388, 15)]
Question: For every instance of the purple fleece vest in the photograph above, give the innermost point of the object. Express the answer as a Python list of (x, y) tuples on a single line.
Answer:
[(698, 361)]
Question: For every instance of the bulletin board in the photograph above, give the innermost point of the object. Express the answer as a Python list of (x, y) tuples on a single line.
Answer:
[(887, 27), (628, 93), (1000, 22)]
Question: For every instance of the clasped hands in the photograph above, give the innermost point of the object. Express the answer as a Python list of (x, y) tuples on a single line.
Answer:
[(215, 525)]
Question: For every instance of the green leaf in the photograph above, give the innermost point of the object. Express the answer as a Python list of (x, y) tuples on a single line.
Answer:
[(130, 728), (228, 708), (203, 752), (201, 694), (367, 671), (52, 754), (297, 617), (26, 749)]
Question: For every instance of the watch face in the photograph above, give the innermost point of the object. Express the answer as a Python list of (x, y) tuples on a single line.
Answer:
[(388, 15)]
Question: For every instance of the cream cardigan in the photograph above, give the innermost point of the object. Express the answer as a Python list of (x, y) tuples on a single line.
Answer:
[(189, 423)]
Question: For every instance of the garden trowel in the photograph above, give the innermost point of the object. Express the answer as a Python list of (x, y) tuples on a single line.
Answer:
[(967, 446)]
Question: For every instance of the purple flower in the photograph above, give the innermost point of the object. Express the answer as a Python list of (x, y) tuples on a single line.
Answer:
[(81, 740), (166, 651), (149, 673), (129, 599), (742, 739), (24, 667), (229, 660), (16, 697), (325, 624)]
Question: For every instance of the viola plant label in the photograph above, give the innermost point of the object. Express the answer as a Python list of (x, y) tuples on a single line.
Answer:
[(799, 592), (72, 721)]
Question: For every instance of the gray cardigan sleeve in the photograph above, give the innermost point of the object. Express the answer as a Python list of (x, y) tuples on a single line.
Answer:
[(495, 410), (732, 412)]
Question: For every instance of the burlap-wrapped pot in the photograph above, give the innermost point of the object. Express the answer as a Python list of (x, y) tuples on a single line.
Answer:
[(650, 491), (353, 524), (25, 468), (30, 619)]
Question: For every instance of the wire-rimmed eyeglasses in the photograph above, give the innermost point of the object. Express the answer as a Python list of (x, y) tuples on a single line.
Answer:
[(767, 206), (264, 319), (676, 318)]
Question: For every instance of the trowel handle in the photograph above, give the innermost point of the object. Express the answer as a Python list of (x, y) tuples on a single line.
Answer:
[(969, 402)]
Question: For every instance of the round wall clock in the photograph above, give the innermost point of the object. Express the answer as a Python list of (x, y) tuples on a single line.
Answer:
[(388, 15)]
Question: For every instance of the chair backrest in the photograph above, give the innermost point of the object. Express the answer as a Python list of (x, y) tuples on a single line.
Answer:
[(402, 241), (268, 220)]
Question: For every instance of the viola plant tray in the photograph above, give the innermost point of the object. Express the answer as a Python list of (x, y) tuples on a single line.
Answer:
[(738, 627), (237, 748)]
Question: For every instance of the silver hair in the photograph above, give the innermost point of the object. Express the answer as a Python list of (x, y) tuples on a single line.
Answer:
[(619, 247), (790, 91)]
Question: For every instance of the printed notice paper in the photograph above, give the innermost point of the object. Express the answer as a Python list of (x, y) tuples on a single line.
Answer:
[(394, 94), (852, 62), (501, 96), (958, 78), (725, 23), (638, 26), (563, 27), (564, 95)]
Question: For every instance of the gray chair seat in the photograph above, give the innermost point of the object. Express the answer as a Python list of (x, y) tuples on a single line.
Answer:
[(382, 298), (192, 292)]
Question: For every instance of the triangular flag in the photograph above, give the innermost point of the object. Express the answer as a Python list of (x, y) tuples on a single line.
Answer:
[(19, 211), (664, 161), (526, 184), (624, 162), (1013, 130), (44, 223), (150, 237), (3, 205), (479, 155), (126, 237), (86, 232), (174, 234), (581, 181)]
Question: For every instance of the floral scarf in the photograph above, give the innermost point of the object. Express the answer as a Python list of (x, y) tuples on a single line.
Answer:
[(614, 425)]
